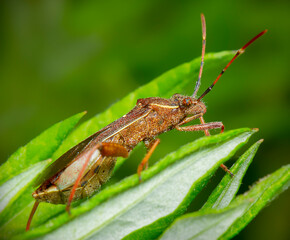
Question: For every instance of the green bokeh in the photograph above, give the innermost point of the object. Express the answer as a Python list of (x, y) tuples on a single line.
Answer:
[(59, 58)]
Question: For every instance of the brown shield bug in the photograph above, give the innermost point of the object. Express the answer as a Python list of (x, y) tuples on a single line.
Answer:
[(83, 169)]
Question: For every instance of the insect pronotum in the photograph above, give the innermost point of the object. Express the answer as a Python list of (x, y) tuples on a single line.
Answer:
[(83, 169)]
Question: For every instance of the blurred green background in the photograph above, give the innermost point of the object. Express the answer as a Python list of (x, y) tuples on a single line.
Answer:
[(59, 58)]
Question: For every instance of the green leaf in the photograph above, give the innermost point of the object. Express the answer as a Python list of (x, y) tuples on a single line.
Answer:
[(14, 189), (38, 149), (260, 195), (225, 192), (145, 210), (23, 167), (227, 222), (203, 225)]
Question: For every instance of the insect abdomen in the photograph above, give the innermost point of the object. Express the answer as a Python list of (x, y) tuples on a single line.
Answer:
[(98, 176)]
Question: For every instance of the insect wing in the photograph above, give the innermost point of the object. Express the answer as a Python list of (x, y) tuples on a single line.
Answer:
[(110, 130), (115, 127), (70, 174), (66, 159)]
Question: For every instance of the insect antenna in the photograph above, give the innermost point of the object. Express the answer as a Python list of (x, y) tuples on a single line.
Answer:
[(240, 51), (197, 85)]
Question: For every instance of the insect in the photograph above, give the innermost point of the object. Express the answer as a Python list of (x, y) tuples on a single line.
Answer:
[(83, 169)]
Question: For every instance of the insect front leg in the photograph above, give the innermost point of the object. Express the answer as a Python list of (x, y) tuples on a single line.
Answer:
[(204, 127), (201, 127), (106, 149), (206, 132), (151, 146), (224, 167), (191, 118)]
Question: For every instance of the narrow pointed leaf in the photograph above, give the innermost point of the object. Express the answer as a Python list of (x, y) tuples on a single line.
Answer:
[(13, 187), (227, 222), (16, 195), (225, 192), (143, 211), (40, 148), (22, 168), (260, 195), (202, 225)]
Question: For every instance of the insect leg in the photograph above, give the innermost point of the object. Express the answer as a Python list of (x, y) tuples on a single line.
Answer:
[(205, 127), (224, 167), (201, 127), (189, 119), (106, 149), (151, 147), (31, 215), (206, 132)]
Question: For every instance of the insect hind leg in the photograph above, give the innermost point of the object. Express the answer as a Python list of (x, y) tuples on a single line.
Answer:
[(106, 149), (36, 203)]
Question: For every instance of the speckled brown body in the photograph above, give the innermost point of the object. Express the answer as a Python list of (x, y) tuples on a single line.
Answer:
[(148, 119)]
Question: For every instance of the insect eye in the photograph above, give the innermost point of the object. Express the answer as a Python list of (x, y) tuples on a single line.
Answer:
[(187, 101)]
